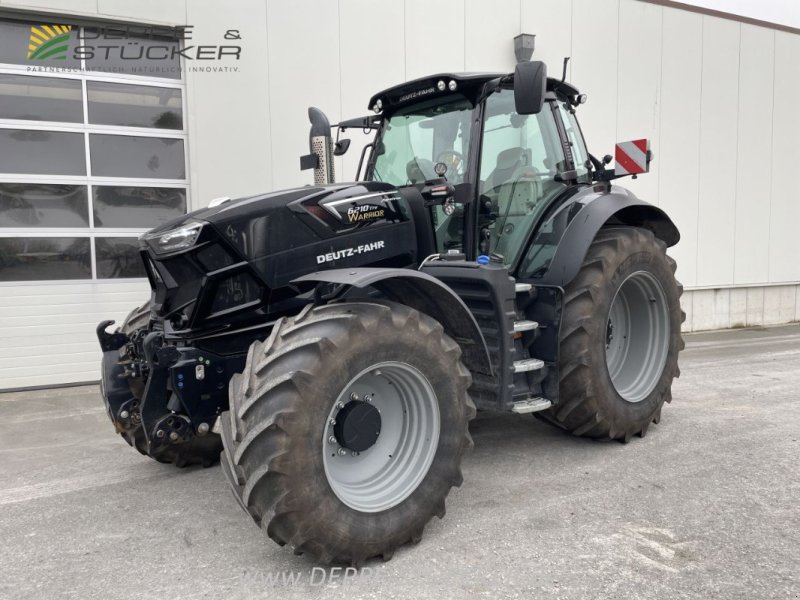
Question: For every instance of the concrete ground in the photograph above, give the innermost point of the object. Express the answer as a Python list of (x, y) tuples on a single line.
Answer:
[(706, 506)]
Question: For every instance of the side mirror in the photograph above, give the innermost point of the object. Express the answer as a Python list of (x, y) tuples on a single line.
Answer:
[(341, 147), (530, 85)]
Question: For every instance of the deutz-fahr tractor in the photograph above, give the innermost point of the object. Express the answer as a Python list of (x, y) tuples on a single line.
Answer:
[(333, 341)]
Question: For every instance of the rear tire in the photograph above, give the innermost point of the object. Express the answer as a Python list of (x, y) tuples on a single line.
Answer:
[(196, 451), (620, 337), (312, 493)]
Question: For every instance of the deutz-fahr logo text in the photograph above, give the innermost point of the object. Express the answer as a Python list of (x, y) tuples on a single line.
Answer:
[(365, 212), (417, 94), (348, 252)]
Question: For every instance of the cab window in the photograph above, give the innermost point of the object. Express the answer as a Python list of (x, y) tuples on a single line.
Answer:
[(520, 157), (415, 138)]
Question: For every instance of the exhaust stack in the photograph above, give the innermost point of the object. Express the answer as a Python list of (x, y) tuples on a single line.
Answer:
[(321, 147)]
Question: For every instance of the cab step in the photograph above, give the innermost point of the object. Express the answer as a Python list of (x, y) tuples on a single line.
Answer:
[(521, 288), (527, 364), (531, 405), (520, 326)]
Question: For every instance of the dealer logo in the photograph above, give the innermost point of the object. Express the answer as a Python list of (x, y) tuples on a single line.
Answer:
[(49, 41), (125, 43)]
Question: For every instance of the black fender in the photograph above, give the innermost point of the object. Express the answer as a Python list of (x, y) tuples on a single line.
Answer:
[(557, 250), (423, 293)]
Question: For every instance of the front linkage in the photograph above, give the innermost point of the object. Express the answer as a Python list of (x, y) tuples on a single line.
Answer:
[(164, 398)]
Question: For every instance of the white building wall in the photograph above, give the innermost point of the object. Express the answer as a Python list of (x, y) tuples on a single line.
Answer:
[(230, 128), (717, 97)]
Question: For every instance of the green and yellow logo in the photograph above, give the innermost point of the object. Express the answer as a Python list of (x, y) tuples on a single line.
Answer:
[(49, 41)]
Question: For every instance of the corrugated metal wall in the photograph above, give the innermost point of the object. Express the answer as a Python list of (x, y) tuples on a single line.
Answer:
[(717, 97)]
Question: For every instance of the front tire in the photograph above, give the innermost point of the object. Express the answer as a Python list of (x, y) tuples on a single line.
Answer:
[(620, 337), (337, 496)]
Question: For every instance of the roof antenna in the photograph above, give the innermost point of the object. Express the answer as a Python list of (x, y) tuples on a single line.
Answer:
[(564, 74)]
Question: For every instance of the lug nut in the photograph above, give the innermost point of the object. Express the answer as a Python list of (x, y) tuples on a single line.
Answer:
[(202, 429), (332, 422), (342, 451), (173, 436), (332, 439), (340, 405), (124, 414), (354, 397), (355, 453), (160, 433)]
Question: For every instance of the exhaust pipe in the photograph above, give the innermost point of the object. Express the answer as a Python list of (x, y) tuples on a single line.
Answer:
[(320, 145)]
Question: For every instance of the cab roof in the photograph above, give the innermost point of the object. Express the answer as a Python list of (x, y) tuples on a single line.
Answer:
[(469, 85)]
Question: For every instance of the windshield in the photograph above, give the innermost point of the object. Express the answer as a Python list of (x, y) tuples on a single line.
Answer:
[(416, 138)]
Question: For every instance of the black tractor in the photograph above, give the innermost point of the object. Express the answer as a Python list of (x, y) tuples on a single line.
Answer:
[(333, 341)]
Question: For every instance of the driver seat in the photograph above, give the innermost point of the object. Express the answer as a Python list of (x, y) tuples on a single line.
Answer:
[(508, 161), (518, 196), (516, 199)]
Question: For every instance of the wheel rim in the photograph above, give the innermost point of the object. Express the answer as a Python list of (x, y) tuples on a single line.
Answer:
[(637, 336), (389, 471)]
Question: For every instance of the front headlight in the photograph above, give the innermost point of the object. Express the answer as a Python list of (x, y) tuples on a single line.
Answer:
[(176, 239)]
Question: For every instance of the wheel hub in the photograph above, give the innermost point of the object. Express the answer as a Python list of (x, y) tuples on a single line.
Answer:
[(637, 336), (358, 426), (381, 436)]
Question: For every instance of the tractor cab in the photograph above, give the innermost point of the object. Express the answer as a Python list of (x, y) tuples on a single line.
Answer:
[(504, 146)]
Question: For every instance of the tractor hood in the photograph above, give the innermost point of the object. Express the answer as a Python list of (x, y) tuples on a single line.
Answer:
[(251, 207), (252, 247), (284, 220)]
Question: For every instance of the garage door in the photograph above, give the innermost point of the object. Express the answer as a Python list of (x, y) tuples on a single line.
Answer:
[(92, 154)]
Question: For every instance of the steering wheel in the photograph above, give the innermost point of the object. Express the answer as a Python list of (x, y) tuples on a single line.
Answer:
[(454, 161)]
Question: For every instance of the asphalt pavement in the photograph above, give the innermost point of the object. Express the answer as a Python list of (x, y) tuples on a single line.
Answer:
[(705, 506)]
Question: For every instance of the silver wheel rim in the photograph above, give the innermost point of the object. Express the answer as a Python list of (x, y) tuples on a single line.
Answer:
[(388, 472), (637, 336)]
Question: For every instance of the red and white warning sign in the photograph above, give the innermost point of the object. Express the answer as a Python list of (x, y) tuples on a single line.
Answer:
[(632, 157)]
